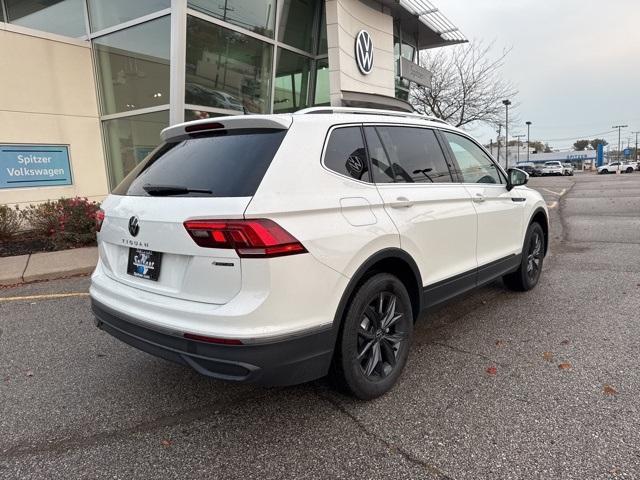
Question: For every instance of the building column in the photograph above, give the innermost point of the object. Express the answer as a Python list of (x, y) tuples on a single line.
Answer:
[(178, 60)]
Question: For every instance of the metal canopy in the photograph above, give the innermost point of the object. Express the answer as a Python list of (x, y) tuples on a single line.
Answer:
[(424, 21)]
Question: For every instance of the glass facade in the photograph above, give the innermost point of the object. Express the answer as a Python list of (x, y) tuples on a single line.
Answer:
[(190, 115), (107, 13), (322, 43), (322, 82), (403, 46), (133, 66), (240, 56), (292, 82), (64, 17), (129, 140), (255, 15), (226, 69), (297, 23)]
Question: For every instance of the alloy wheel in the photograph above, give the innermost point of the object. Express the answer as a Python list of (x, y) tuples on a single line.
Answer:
[(381, 334), (534, 257)]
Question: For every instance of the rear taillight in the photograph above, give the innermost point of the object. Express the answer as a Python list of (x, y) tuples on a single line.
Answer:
[(99, 219), (250, 238)]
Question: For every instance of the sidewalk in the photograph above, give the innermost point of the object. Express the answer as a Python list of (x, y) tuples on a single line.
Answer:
[(47, 266)]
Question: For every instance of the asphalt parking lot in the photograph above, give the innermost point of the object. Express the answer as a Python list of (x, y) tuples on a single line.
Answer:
[(499, 385)]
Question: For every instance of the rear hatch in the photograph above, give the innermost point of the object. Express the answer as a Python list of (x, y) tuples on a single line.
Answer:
[(198, 173)]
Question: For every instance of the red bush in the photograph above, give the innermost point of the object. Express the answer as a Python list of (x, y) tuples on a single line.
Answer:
[(68, 222)]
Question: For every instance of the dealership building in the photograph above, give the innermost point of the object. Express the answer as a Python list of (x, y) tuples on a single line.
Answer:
[(86, 86)]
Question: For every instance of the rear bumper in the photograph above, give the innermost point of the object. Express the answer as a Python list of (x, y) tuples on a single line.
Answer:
[(290, 361)]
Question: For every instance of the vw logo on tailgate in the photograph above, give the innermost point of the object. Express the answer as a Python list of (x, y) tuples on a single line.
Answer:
[(134, 227), (364, 52)]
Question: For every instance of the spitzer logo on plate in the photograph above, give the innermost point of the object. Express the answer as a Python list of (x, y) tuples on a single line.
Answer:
[(143, 264)]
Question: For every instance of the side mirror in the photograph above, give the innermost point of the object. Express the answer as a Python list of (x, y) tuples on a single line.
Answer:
[(516, 178)]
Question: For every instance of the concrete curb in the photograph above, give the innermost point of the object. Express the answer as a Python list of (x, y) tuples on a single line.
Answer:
[(47, 266)]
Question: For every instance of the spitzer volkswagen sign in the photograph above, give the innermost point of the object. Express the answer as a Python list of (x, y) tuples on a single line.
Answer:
[(364, 52)]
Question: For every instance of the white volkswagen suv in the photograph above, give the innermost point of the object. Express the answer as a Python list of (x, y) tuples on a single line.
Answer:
[(277, 249)]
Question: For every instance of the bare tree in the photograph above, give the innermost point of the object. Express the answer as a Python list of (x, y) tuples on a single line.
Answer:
[(466, 87)]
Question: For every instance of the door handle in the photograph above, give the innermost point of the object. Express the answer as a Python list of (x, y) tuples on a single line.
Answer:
[(478, 198), (402, 202)]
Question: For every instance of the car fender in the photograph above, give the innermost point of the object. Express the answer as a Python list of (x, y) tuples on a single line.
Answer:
[(538, 207), (361, 273)]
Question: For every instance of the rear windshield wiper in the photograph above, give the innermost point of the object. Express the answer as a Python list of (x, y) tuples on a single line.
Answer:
[(167, 190)]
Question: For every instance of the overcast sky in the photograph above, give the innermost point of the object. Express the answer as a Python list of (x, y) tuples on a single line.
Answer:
[(576, 63)]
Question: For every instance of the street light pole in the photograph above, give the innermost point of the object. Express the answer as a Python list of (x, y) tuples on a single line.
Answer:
[(619, 127), (506, 133), (528, 138), (635, 152), (499, 132), (518, 137)]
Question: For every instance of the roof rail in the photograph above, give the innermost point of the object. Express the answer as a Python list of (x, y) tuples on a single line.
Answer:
[(368, 111)]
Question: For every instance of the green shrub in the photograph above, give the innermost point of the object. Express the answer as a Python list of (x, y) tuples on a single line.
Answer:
[(10, 222), (68, 222)]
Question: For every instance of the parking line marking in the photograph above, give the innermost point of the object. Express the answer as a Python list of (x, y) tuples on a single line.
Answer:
[(561, 193), (44, 297), (553, 204)]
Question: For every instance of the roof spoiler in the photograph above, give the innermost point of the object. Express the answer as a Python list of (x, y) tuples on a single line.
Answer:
[(277, 122)]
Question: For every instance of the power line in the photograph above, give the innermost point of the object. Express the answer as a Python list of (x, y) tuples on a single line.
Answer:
[(619, 127), (578, 137)]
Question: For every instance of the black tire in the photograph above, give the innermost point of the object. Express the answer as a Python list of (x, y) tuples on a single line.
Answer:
[(604, 172), (629, 170), (528, 274), (369, 356)]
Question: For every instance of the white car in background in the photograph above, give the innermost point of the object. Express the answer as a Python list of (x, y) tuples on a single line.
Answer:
[(277, 249), (615, 167), (553, 168), (568, 169)]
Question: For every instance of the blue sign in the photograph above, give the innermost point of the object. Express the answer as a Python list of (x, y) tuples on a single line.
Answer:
[(627, 152), (600, 158), (34, 166)]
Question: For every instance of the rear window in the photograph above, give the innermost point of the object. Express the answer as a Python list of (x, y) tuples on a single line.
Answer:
[(228, 163)]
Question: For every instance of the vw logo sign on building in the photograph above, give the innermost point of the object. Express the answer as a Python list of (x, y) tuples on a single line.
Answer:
[(134, 228), (364, 52)]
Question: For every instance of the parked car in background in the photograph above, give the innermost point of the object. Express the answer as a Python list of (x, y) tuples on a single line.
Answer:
[(553, 168), (635, 165), (530, 168), (228, 251), (568, 169), (200, 95), (615, 167)]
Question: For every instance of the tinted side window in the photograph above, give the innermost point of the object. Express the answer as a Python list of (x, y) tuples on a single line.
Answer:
[(415, 155), (475, 166), (346, 154), (380, 166)]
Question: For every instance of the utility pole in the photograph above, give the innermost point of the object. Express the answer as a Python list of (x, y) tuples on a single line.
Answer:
[(506, 134), (635, 152), (519, 137), (619, 127), (528, 138), (499, 133)]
